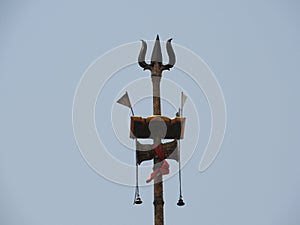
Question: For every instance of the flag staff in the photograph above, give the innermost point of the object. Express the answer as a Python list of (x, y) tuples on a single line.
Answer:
[(130, 106), (180, 113)]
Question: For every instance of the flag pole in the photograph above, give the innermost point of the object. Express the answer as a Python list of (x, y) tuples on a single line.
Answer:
[(181, 105), (130, 104), (132, 111), (180, 201)]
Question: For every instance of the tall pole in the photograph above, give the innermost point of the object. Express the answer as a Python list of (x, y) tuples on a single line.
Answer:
[(156, 67), (158, 181)]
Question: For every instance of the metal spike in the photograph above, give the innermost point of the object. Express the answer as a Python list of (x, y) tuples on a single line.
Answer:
[(142, 55), (156, 53), (171, 54)]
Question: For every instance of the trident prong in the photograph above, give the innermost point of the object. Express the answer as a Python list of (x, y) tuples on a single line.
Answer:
[(142, 55), (156, 56)]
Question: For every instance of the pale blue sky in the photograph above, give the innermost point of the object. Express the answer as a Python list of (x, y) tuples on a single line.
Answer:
[(251, 46)]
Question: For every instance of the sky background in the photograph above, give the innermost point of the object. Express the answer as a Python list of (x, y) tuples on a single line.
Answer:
[(253, 48)]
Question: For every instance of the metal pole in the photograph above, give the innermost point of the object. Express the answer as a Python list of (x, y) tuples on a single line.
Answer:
[(158, 181)]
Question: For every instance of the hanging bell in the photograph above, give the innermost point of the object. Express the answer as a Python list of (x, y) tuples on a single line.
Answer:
[(138, 200), (180, 202)]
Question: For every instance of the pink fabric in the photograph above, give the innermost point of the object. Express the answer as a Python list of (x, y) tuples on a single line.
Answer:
[(164, 169)]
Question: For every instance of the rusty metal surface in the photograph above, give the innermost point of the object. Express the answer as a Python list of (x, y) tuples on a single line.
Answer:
[(139, 127)]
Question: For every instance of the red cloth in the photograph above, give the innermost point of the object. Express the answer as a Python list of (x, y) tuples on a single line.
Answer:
[(164, 169), (159, 151)]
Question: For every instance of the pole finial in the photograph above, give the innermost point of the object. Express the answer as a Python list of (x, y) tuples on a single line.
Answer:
[(156, 53)]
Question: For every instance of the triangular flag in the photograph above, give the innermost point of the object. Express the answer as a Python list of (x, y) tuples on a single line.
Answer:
[(124, 100), (183, 99)]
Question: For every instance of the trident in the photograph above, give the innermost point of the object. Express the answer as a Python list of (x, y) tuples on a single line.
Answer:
[(157, 127)]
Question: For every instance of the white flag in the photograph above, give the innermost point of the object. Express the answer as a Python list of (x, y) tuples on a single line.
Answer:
[(124, 100), (183, 99)]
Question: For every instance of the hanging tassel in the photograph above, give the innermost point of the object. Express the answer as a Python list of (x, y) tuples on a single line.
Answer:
[(137, 198), (180, 201)]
